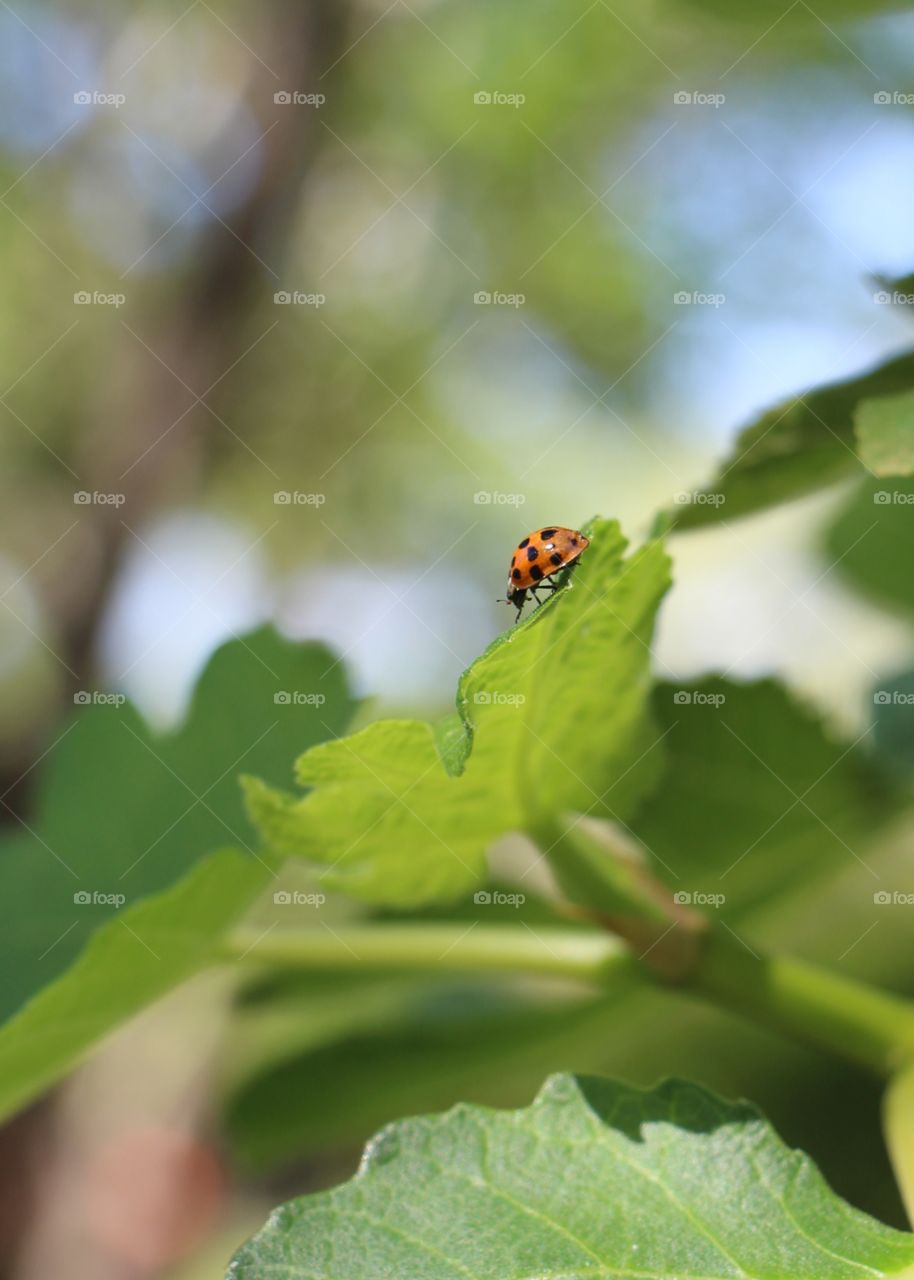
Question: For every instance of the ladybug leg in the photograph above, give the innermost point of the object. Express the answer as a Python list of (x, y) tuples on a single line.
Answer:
[(542, 586)]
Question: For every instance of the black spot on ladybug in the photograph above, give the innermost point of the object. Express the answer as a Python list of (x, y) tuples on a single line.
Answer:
[(513, 559), (521, 545), (555, 558), (574, 542), (515, 574), (547, 533), (536, 573), (532, 553)]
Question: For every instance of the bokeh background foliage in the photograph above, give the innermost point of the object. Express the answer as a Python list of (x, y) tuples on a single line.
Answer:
[(328, 488)]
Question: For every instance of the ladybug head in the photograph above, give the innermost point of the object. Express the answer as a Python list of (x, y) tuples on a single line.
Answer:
[(516, 596)]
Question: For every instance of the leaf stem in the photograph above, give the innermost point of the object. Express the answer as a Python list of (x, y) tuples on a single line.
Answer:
[(859, 1023), (855, 1021), (444, 948), (682, 949)]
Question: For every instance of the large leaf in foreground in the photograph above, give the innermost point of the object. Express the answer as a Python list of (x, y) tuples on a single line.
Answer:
[(594, 1179), (799, 446), (129, 962), (553, 717)]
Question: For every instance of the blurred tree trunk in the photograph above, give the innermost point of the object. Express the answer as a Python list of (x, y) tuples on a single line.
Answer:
[(148, 409), (207, 332)]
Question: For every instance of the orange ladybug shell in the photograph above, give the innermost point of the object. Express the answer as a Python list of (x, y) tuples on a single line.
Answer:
[(542, 553)]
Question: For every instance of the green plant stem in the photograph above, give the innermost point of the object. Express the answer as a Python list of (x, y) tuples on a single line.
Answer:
[(898, 1126), (851, 1019), (685, 950), (801, 1001), (443, 948)]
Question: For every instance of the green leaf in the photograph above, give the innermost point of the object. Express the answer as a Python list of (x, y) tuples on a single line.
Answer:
[(581, 670), (871, 542), (893, 722), (553, 718), (693, 832), (128, 963), (758, 798), (122, 814), (797, 447), (885, 434), (490, 1040), (384, 819), (594, 1179)]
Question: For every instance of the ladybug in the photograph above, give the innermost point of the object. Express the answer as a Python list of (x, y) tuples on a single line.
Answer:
[(540, 555)]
